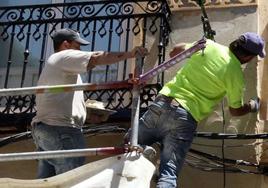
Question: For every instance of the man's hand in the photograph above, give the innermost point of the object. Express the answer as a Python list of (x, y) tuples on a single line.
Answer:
[(178, 48), (254, 104), (139, 51)]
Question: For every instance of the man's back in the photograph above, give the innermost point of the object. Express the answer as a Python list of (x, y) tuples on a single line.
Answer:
[(205, 79), (66, 108)]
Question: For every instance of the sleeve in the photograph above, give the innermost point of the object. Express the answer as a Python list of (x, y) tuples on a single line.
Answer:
[(74, 61), (235, 86)]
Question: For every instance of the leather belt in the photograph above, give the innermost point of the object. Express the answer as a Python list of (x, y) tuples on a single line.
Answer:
[(168, 100)]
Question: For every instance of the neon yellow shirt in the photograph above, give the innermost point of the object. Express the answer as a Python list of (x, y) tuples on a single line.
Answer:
[(205, 79)]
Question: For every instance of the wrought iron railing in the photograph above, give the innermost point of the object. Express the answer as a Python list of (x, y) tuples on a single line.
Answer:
[(110, 25)]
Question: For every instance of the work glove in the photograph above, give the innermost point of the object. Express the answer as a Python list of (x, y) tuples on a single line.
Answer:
[(254, 104)]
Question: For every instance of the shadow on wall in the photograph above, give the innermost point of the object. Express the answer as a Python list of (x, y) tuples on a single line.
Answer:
[(264, 79)]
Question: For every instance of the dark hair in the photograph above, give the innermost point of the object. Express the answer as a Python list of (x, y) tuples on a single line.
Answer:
[(238, 50), (57, 43)]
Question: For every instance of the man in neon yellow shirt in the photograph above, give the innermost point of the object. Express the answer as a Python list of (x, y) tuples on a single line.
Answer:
[(191, 96)]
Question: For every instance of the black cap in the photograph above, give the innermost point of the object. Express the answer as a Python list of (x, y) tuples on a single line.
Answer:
[(68, 34)]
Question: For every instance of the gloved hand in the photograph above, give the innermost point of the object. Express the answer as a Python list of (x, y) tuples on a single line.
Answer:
[(254, 104)]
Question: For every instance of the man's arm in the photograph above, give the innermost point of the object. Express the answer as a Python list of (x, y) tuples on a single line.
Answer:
[(107, 58), (240, 111), (252, 106)]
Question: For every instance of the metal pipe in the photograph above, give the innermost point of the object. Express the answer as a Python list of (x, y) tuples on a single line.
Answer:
[(61, 153), (172, 61), (109, 85), (135, 111), (135, 115), (63, 88)]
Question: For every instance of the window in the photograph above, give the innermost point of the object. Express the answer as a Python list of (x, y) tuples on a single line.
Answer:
[(106, 39), (26, 47), (13, 53)]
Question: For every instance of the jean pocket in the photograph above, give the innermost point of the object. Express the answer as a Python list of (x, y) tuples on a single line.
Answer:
[(152, 116)]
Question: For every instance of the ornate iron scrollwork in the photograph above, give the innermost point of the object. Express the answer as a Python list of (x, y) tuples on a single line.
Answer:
[(94, 19)]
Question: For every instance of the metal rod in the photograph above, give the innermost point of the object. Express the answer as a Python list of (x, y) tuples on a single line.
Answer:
[(135, 111), (60, 153), (135, 91), (172, 61), (108, 85), (63, 88)]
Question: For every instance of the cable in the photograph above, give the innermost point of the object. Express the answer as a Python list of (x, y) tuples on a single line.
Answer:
[(223, 143), (211, 135), (210, 162), (218, 159), (14, 138), (219, 169), (94, 130), (230, 146), (103, 129)]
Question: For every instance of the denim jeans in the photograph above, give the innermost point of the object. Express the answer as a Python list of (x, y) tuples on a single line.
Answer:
[(47, 138), (174, 128)]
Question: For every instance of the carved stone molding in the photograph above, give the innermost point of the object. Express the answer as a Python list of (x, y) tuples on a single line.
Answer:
[(177, 5)]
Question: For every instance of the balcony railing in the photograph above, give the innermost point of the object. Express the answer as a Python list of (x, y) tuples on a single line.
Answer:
[(109, 25)]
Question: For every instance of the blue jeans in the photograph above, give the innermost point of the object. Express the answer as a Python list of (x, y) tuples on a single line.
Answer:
[(47, 138), (174, 128)]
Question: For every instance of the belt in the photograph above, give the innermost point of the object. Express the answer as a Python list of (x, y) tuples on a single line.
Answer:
[(168, 100)]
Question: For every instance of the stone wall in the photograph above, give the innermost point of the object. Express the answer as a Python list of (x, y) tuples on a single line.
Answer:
[(229, 19)]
